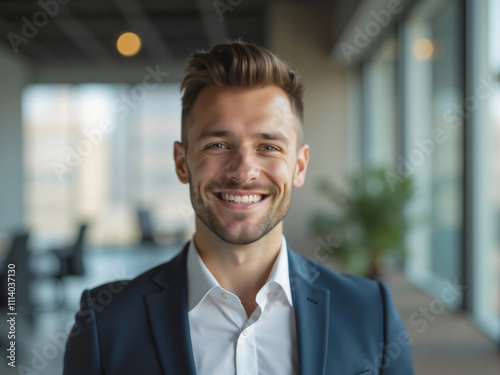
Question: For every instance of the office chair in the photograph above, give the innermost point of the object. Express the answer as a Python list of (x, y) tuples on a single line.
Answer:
[(70, 261), (146, 225)]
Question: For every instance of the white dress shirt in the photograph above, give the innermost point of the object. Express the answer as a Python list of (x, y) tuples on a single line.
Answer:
[(225, 341)]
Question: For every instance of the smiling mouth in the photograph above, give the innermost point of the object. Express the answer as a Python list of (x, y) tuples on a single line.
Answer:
[(241, 199)]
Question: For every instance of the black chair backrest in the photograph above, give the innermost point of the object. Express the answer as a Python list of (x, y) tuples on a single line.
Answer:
[(146, 225), (76, 262)]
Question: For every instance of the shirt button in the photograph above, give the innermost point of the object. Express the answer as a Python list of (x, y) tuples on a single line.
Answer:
[(246, 332), (224, 296)]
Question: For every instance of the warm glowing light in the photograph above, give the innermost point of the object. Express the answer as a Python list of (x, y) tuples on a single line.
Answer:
[(423, 49), (129, 44)]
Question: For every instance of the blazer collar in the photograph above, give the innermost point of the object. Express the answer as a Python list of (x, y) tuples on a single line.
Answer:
[(171, 271), (168, 318), (170, 325), (311, 305)]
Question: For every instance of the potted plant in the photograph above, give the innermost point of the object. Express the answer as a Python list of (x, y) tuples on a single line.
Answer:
[(370, 222)]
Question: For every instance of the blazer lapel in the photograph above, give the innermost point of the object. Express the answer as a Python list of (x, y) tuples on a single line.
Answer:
[(311, 305), (168, 317)]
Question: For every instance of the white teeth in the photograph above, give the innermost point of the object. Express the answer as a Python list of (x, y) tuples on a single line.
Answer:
[(242, 199)]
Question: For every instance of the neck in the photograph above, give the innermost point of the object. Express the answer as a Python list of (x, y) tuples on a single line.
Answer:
[(240, 269)]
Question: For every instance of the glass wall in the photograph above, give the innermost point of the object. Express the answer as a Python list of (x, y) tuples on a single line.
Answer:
[(433, 144), (380, 128), (483, 105), (448, 101), (100, 153)]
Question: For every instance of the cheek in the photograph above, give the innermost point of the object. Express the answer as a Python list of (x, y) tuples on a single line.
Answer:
[(204, 170), (280, 173)]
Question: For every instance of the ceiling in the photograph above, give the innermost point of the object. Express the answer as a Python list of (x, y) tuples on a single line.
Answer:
[(87, 30)]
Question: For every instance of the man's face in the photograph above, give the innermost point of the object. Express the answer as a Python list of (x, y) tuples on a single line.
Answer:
[(242, 160)]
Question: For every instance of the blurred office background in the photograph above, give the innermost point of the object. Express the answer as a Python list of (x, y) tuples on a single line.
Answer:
[(88, 191)]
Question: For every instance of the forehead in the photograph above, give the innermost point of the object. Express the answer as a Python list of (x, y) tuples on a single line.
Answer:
[(266, 107)]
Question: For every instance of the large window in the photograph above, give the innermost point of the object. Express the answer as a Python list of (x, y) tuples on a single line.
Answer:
[(380, 127), (483, 105), (448, 100), (433, 144), (100, 153)]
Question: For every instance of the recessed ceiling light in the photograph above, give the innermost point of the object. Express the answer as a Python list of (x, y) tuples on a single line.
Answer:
[(128, 44)]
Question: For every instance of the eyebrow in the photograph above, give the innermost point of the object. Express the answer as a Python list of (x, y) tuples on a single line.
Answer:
[(227, 133), (214, 133)]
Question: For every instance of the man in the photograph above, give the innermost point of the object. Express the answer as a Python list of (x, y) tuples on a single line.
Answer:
[(237, 299)]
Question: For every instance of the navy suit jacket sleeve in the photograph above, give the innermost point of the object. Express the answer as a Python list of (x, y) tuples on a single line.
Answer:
[(396, 356), (82, 349)]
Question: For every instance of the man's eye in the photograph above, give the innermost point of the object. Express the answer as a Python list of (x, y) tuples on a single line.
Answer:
[(216, 146), (269, 148)]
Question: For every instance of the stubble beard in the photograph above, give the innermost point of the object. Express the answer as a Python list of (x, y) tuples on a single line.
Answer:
[(208, 215)]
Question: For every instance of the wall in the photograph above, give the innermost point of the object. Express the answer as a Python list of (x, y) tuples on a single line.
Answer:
[(299, 33), (13, 76)]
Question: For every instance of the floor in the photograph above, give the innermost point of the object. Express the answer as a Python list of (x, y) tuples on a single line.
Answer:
[(445, 343)]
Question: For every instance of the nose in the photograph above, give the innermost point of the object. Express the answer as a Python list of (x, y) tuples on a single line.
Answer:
[(242, 166)]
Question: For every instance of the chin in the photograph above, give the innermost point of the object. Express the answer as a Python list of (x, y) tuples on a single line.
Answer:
[(239, 239)]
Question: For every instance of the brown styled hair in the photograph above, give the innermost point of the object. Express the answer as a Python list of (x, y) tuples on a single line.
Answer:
[(239, 64)]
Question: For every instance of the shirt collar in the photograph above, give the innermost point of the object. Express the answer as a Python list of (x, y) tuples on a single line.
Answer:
[(201, 280)]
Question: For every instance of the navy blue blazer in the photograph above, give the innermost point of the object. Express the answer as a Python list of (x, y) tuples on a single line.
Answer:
[(346, 325)]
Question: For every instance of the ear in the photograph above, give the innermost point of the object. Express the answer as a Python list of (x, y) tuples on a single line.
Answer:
[(300, 169), (180, 162)]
